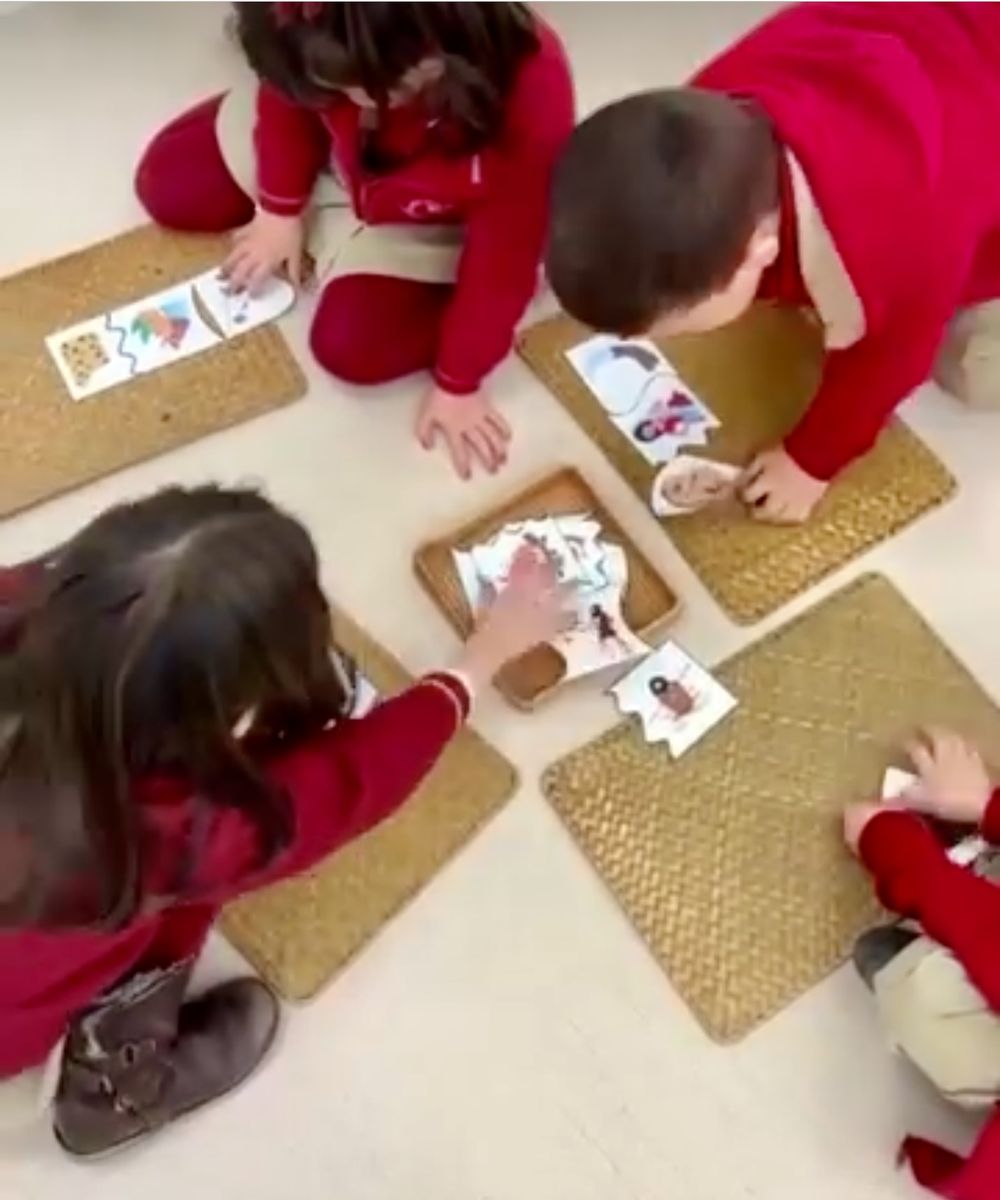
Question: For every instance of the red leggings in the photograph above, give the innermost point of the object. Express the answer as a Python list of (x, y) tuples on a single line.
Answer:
[(366, 329)]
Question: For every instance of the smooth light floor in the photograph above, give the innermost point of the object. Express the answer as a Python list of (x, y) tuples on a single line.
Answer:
[(508, 1038)]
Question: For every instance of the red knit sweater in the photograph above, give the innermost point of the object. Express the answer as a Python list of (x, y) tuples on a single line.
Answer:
[(891, 109), (339, 784), (500, 194), (916, 879)]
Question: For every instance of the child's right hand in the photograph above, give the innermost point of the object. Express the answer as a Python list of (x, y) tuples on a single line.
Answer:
[(262, 248), (533, 608), (954, 784)]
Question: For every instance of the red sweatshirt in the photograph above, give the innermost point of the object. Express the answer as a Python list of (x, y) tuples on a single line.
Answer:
[(500, 194), (916, 879), (339, 784), (891, 111)]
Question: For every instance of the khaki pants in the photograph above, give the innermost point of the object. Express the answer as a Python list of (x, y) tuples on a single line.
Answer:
[(338, 242), (969, 363), (940, 1022)]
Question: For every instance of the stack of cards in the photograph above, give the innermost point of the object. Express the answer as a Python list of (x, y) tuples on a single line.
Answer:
[(675, 698), (643, 396), (596, 570), (159, 330)]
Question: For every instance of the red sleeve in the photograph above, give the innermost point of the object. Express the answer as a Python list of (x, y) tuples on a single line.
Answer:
[(291, 147), (340, 784), (862, 385), (915, 878), (499, 268)]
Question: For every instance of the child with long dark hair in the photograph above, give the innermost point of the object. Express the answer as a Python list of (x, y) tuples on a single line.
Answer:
[(437, 125), (175, 731)]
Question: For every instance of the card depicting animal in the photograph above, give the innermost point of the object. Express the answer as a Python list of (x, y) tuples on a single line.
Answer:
[(675, 698)]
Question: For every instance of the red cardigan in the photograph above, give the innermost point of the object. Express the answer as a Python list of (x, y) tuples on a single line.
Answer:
[(891, 110), (339, 784), (916, 879), (500, 194)]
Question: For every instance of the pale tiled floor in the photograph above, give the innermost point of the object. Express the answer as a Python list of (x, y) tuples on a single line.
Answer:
[(508, 1038)]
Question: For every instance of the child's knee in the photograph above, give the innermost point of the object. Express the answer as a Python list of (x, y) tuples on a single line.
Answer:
[(349, 348), (161, 189)]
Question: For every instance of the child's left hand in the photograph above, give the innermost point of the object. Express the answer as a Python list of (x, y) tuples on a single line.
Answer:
[(856, 818), (471, 426), (778, 490)]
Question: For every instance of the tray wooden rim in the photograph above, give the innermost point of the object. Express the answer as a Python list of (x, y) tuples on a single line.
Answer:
[(460, 617)]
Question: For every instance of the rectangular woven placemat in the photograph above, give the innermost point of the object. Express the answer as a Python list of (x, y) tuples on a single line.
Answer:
[(299, 933), (757, 376), (729, 862), (52, 443)]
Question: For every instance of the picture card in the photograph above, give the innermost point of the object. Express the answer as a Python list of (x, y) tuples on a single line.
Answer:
[(642, 395), (600, 637), (688, 484), (675, 698), (159, 330)]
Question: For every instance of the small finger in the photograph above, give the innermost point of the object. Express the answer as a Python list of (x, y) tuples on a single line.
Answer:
[(483, 449), (499, 423), (921, 757), (459, 452), (426, 431), (756, 490), (259, 278)]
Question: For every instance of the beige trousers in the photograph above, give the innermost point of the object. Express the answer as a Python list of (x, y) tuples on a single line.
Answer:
[(968, 365), (937, 1019), (338, 242)]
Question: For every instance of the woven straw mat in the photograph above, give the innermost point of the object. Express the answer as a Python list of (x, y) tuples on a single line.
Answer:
[(757, 376), (729, 862), (300, 932), (52, 443)]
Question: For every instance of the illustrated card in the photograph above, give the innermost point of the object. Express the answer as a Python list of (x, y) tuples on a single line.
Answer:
[(600, 636), (642, 395), (688, 484), (675, 698), (159, 330)]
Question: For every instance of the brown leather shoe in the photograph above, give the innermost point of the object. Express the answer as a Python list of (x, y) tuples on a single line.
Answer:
[(142, 1058)]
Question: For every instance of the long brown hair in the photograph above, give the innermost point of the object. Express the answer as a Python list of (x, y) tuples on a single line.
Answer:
[(149, 636), (309, 51)]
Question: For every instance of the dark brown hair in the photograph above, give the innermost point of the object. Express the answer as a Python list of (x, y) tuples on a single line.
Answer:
[(654, 203), (145, 641), (310, 51)]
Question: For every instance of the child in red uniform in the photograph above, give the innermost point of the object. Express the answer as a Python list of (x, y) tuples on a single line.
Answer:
[(174, 732), (437, 125), (939, 990), (840, 157)]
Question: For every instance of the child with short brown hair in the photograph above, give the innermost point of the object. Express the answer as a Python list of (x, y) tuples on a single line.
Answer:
[(837, 158)]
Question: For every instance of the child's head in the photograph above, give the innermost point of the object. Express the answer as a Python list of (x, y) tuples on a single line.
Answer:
[(162, 632), (464, 57), (664, 213)]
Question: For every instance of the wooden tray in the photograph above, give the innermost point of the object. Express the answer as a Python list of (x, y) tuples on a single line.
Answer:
[(648, 604)]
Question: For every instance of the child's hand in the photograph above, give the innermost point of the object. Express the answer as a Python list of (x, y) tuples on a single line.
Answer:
[(533, 608), (778, 490), (954, 784), (856, 818), (470, 425), (262, 248)]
